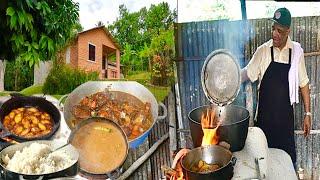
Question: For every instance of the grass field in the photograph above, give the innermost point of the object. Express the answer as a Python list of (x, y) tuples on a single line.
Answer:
[(159, 92), (36, 89)]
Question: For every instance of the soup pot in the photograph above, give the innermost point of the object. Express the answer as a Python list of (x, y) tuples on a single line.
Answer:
[(131, 87), (93, 140), (233, 128)]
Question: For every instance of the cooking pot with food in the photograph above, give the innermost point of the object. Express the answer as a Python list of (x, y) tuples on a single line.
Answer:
[(127, 103), (26, 118), (102, 145), (208, 162), (25, 164), (220, 79)]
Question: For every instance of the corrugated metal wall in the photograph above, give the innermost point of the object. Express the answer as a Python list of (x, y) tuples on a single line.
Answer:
[(195, 40)]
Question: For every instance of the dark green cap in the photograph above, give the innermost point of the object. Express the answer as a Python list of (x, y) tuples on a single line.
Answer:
[(282, 16)]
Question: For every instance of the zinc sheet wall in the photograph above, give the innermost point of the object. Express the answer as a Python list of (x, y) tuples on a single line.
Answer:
[(195, 40)]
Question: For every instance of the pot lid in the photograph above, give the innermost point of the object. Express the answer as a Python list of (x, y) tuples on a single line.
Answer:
[(220, 77)]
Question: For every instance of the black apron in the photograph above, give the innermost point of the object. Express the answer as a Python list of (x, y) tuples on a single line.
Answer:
[(275, 113)]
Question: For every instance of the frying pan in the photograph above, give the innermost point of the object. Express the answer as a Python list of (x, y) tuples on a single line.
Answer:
[(17, 101)]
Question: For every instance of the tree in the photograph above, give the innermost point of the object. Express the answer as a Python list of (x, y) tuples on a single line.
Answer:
[(162, 47), (35, 30), (126, 28), (137, 29)]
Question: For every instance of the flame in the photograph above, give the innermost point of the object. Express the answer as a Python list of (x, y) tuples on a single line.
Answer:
[(179, 173), (209, 124)]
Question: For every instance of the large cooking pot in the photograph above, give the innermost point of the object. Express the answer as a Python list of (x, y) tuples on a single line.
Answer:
[(129, 87), (233, 128), (101, 154), (72, 170), (41, 103), (212, 154)]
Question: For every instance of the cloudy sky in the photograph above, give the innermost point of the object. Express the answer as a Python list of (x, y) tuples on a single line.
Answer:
[(92, 11)]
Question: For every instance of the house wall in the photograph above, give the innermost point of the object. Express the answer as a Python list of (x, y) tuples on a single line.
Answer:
[(74, 55), (98, 38)]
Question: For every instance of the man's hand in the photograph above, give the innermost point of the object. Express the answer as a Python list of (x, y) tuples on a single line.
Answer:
[(306, 125)]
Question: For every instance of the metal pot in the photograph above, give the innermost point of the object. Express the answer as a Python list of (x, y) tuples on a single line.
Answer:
[(233, 130), (18, 101), (72, 170), (106, 146), (129, 87), (212, 154)]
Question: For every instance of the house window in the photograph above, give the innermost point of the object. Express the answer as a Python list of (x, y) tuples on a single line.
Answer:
[(68, 56), (92, 52)]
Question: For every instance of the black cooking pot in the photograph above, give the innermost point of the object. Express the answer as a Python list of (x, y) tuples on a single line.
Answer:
[(41, 103), (72, 170), (212, 154), (233, 128)]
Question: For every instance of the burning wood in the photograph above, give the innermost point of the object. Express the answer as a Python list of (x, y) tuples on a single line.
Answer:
[(209, 124), (176, 172)]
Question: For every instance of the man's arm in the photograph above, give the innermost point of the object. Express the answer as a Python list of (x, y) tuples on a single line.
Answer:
[(305, 92), (251, 71)]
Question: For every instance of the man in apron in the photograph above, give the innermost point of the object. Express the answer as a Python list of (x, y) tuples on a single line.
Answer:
[(279, 66)]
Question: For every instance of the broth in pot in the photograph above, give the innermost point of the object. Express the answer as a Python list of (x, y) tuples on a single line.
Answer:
[(102, 146)]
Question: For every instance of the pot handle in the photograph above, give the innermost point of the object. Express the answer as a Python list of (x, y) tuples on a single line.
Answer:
[(4, 133), (165, 111), (233, 161), (15, 94), (23, 178), (60, 104)]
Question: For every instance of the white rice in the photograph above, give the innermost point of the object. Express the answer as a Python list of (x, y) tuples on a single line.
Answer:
[(35, 159)]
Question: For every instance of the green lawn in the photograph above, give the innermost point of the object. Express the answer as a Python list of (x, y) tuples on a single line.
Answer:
[(139, 75), (160, 93), (4, 93), (36, 89), (143, 78)]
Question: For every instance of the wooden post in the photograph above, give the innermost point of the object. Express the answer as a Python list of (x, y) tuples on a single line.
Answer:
[(143, 158), (118, 63), (172, 124), (2, 71)]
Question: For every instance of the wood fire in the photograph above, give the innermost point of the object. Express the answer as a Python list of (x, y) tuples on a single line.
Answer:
[(209, 124)]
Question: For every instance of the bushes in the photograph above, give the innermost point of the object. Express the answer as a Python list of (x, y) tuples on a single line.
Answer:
[(63, 79), (18, 75)]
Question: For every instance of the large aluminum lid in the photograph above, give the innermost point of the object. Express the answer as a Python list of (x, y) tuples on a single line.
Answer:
[(220, 77)]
